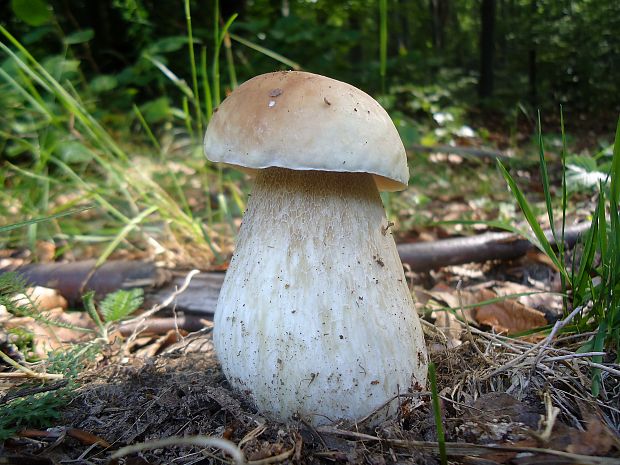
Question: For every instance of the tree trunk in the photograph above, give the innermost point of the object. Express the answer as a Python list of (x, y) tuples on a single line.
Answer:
[(532, 60), (439, 10), (487, 43)]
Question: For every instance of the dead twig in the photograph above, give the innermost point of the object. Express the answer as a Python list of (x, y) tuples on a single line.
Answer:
[(464, 448), (24, 371), (140, 320), (542, 346), (200, 441), (32, 390)]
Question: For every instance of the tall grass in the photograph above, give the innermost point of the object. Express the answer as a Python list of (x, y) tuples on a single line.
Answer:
[(593, 278), (124, 193), (129, 199)]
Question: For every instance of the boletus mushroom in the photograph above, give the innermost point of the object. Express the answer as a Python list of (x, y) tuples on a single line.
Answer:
[(314, 317)]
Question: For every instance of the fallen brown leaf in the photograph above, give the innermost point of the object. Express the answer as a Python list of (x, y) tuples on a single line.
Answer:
[(86, 438), (43, 297), (506, 316), (549, 301), (597, 439), (48, 337)]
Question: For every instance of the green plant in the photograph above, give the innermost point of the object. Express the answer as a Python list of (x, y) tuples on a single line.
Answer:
[(441, 438), (114, 308), (34, 405), (594, 278), (129, 197)]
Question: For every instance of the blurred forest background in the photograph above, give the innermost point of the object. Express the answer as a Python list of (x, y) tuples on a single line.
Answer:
[(498, 53)]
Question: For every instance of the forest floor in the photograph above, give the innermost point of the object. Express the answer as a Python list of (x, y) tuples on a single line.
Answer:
[(510, 392)]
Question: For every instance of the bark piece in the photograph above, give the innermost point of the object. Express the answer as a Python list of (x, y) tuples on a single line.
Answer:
[(424, 256)]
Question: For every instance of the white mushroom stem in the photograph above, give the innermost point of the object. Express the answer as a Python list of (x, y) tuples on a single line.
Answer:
[(315, 317)]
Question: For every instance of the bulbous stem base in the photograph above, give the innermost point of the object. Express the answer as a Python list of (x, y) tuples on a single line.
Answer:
[(315, 317)]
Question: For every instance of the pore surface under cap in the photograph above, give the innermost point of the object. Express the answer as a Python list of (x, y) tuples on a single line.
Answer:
[(304, 121)]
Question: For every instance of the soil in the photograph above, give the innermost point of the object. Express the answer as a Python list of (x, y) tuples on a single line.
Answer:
[(128, 399)]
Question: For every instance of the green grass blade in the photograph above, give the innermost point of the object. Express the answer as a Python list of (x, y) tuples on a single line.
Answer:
[(561, 251), (176, 80), (216, 54), (146, 127), (503, 225), (205, 85), (581, 280), (232, 73), (265, 51), (544, 175), (26, 95), (192, 63), (526, 208), (98, 198), (602, 229), (30, 174), (88, 300), (216, 58), (613, 308), (50, 84), (441, 438), (22, 224), (187, 117), (123, 234), (615, 167)]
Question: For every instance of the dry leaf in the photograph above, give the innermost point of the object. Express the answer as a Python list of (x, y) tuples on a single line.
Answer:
[(43, 297), (48, 337), (161, 343), (507, 316), (540, 301), (597, 439), (87, 438), (45, 251)]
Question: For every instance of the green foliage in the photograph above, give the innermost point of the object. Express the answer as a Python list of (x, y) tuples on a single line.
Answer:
[(41, 409), (595, 280), (12, 284), (31, 404), (120, 304), (114, 308), (27, 405), (441, 438), (32, 12)]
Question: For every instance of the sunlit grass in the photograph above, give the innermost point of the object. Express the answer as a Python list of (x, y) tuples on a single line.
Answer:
[(593, 279)]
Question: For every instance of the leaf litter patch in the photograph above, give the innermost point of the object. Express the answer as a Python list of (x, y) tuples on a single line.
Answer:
[(495, 410)]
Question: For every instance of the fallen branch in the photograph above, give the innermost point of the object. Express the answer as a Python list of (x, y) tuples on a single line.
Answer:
[(201, 294), (68, 278), (424, 256), (456, 449), (189, 323)]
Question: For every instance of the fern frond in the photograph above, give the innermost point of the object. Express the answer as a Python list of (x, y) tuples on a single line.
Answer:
[(121, 304), (12, 284)]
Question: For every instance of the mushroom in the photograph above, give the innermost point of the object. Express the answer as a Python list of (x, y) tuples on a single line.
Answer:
[(315, 317)]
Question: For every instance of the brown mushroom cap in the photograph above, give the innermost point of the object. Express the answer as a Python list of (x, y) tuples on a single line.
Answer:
[(304, 121)]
